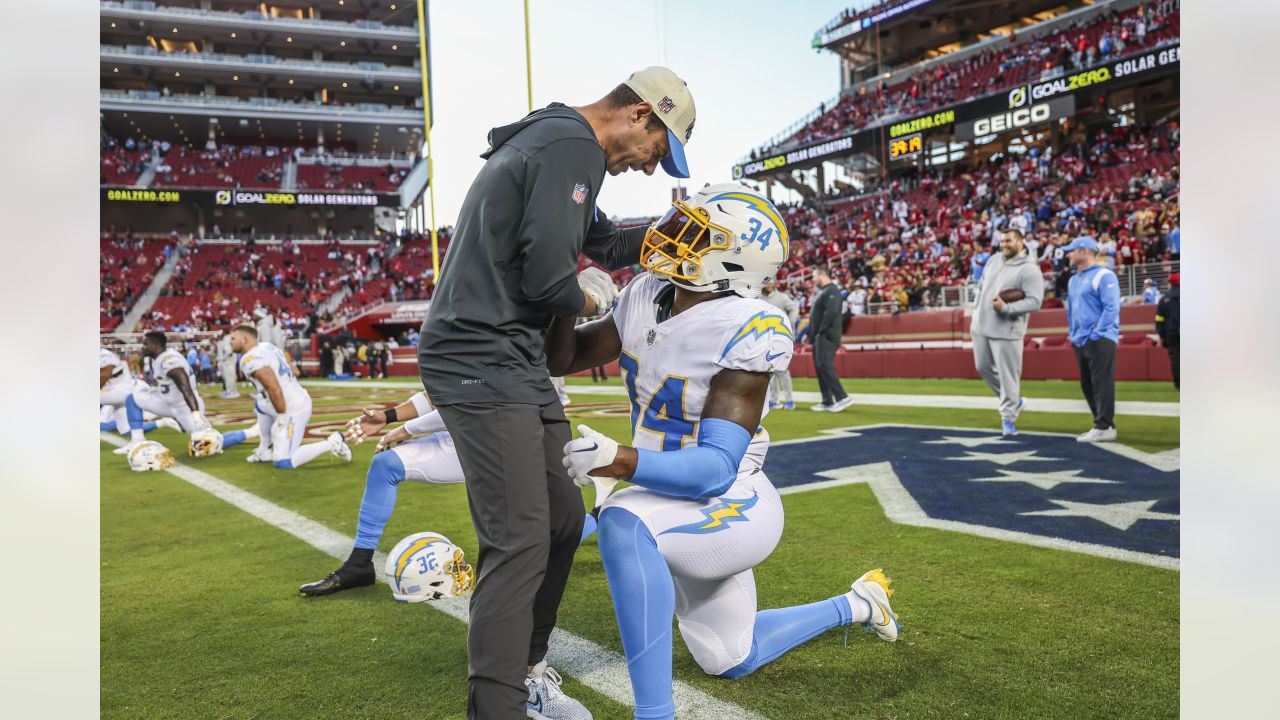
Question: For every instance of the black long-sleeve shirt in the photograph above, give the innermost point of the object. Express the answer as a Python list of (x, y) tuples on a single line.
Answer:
[(827, 319), (513, 259)]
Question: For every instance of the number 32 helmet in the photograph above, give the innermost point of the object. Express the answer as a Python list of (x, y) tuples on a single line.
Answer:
[(723, 237), (426, 566)]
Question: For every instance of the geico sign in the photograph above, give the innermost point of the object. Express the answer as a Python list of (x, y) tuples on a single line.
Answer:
[(1012, 119)]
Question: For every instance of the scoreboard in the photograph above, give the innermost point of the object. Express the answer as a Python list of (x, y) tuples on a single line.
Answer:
[(906, 146)]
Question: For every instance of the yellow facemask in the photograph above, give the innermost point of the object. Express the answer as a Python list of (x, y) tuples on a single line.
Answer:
[(682, 235)]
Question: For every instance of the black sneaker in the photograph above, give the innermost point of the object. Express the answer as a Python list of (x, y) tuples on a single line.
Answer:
[(344, 578)]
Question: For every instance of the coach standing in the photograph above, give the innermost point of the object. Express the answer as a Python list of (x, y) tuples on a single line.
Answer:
[(510, 270), (1093, 325), (826, 326), (1169, 324), (998, 326)]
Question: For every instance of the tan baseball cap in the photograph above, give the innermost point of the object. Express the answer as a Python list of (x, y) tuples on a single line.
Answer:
[(673, 104)]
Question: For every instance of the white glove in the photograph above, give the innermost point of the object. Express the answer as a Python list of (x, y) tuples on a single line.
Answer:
[(587, 453), (597, 284), (199, 422)]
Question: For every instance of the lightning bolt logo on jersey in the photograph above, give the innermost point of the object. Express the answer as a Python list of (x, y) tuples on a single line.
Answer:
[(120, 375), (667, 367)]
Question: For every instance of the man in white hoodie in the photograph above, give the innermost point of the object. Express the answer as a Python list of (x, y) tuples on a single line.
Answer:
[(1000, 325)]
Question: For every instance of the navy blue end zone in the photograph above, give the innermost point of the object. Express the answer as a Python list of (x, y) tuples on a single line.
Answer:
[(1045, 486)]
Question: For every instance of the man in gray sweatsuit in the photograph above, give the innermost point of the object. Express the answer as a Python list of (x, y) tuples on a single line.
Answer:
[(999, 327)]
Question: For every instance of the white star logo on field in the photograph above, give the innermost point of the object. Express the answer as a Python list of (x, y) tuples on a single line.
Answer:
[(1044, 480), (1002, 458), (969, 442), (1120, 516)]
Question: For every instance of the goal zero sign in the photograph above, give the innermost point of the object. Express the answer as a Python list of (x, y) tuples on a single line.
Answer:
[(1025, 115)]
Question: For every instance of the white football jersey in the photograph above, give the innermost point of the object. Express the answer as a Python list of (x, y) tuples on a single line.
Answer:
[(266, 355), (120, 375), (667, 367), (165, 362)]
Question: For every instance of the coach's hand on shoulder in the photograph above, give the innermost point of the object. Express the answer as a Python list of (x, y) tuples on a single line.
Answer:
[(590, 452), (369, 423)]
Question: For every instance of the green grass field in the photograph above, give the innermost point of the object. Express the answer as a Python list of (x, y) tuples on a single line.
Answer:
[(201, 618)]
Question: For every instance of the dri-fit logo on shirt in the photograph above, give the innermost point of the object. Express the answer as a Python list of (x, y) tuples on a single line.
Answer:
[(473, 381)]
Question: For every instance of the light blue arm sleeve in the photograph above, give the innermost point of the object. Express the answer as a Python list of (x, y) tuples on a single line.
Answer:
[(704, 471)]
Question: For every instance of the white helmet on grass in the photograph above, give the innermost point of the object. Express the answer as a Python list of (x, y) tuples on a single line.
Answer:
[(149, 455), (426, 566), (723, 237), (205, 443)]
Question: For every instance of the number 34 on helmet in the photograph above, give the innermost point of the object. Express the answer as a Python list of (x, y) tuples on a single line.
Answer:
[(426, 566), (723, 237)]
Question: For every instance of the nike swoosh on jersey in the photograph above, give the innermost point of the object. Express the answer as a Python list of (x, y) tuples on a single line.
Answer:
[(594, 446), (770, 357)]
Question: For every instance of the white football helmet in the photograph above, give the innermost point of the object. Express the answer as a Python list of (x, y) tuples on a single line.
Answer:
[(205, 443), (426, 566), (149, 455), (723, 237)]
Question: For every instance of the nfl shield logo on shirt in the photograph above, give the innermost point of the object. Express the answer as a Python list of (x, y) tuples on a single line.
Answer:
[(579, 193)]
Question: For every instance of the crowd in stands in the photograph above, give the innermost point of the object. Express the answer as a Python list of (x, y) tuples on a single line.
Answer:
[(900, 247), (122, 161), (127, 265), (1076, 46), (350, 178), (249, 167)]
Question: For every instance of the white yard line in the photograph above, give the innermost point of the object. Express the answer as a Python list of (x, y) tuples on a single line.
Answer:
[(602, 670), (952, 402)]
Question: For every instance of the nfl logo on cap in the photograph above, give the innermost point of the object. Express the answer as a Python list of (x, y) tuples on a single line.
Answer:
[(665, 104), (579, 193)]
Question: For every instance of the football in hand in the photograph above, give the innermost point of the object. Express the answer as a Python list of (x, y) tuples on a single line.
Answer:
[(1012, 295)]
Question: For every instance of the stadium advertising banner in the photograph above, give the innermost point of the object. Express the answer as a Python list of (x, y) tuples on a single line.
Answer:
[(803, 155), (1124, 69), (1020, 113), (246, 197)]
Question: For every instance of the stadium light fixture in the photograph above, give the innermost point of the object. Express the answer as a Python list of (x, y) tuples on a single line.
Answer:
[(115, 69), (113, 24), (175, 29), (177, 74), (395, 47), (233, 34), (343, 43), (344, 84), (395, 87), (290, 81), (235, 77), (289, 39)]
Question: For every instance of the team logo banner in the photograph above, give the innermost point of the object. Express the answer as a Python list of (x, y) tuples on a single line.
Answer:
[(1045, 490)]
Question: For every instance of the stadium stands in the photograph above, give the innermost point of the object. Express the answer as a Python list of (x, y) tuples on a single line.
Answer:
[(127, 265), (919, 235), (1076, 46), (218, 283), (228, 166), (350, 178)]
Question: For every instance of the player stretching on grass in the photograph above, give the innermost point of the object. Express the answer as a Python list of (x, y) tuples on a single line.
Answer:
[(697, 348)]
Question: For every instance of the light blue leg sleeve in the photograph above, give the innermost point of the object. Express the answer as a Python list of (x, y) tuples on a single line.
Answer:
[(235, 437), (779, 630), (384, 476), (134, 413), (644, 602), (588, 527)]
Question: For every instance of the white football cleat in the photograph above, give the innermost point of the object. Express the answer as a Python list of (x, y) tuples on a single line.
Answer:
[(261, 455), (170, 423), (547, 701), (338, 446), (874, 588), (839, 405), (1095, 436), (820, 407), (125, 449)]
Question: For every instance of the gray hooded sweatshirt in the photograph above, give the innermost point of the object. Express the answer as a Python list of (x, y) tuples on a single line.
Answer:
[(1000, 274), (512, 264)]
